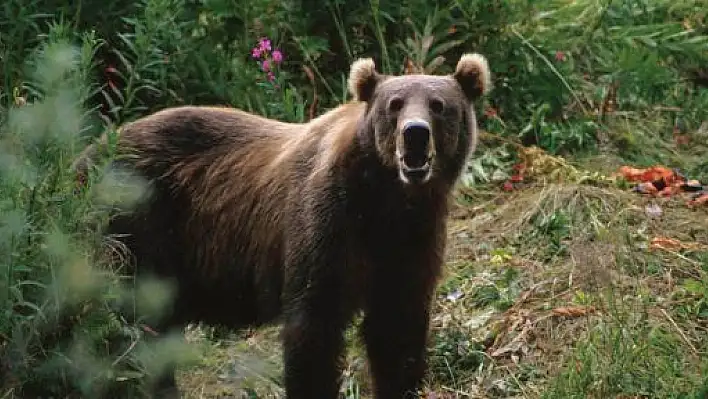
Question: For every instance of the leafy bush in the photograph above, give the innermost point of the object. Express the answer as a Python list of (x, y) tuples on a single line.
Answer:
[(61, 329)]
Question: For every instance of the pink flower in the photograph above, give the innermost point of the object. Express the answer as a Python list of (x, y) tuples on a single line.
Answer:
[(271, 76), (264, 43), (277, 56), (256, 52), (560, 56), (266, 65)]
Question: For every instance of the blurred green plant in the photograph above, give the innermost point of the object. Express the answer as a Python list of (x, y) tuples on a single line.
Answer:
[(61, 330)]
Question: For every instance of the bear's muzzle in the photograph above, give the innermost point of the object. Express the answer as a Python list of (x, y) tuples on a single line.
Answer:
[(416, 155)]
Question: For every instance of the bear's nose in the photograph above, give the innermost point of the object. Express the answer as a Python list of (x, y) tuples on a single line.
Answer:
[(416, 138), (416, 128)]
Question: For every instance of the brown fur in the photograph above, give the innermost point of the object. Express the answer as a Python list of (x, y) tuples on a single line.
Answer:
[(258, 221)]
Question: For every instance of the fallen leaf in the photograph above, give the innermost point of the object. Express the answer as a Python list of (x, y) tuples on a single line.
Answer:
[(573, 311), (701, 199), (650, 174), (671, 244)]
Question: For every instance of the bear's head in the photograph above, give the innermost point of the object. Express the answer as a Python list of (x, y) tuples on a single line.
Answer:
[(422, 125)]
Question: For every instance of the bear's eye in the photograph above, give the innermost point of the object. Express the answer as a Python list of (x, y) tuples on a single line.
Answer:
[(395, 104), (437, 105)]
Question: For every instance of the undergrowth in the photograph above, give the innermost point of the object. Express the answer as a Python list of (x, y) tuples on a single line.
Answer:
[(597, 83)]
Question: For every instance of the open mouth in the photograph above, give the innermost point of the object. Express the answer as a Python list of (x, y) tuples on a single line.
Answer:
[(415, 154), (420, 173)]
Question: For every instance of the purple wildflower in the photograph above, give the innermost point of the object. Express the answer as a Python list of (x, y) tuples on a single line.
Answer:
[(267, 59), (277, 56), (264, 43)]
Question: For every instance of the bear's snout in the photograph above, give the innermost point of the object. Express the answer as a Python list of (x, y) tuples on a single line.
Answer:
[(416, 154)]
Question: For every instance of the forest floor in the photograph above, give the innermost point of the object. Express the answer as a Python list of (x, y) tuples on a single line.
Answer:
[(569, 285)]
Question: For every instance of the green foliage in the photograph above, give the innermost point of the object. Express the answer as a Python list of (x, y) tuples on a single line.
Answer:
[(626, 358), (454, 352), (556, 227), (569, 77), (60, 329)]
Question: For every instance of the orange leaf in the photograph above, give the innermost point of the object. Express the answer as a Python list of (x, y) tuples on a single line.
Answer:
[(573, 311), (671, 244), (651, 174)]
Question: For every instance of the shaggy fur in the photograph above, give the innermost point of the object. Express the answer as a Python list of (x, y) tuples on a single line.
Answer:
[(258, 221)]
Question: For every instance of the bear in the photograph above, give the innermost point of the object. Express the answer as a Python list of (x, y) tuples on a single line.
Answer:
[(258, 221)]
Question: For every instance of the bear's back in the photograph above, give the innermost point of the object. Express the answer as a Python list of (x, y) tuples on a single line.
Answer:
[(218, 185), (201, 131), (222, 181)]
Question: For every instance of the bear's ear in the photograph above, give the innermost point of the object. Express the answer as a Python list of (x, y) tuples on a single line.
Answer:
[(473, 75), (363, 79)]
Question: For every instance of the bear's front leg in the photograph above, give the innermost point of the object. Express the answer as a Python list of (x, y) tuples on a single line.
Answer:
[(313, 346), (395, 338), (317, 306), (395, 328)]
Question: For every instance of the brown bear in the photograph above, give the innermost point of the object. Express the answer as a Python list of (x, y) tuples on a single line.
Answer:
[(259, 221)]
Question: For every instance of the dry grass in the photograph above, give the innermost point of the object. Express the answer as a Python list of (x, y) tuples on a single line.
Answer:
[(239, 363), (565, 261)]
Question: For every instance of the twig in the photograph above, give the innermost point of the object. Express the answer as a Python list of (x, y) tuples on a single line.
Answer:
[(685, 338), (668, 109), (127, 351), (518, 382), (683, 257), (311, 76)]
